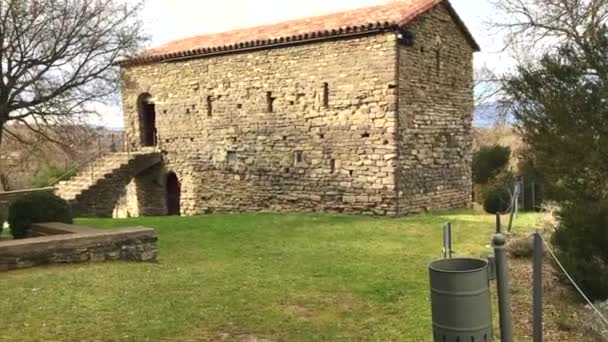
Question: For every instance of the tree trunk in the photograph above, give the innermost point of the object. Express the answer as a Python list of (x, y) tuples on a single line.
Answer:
[(2, 183)]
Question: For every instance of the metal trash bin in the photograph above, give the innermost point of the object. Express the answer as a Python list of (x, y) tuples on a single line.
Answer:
[(460, 300)]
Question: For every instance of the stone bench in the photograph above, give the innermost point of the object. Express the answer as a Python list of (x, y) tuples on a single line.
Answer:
[(63, 243)]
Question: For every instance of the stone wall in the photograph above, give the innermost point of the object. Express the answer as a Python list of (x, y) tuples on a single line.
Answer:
[(144, 195), (359, 125), (435, 116), (86, 245), (8, 197), (102, 197), (308, 152)]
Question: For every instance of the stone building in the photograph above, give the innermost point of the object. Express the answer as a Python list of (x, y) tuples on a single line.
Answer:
[(367, 111)]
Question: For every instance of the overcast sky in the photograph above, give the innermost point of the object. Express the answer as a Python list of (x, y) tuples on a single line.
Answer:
[(166, 20)]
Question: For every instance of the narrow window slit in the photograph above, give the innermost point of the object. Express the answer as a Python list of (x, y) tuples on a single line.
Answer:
[(269, 102), (332, 165), (325, 94), (365, 135), (231, 158), (298, 157), (209, 106), (438, 61)]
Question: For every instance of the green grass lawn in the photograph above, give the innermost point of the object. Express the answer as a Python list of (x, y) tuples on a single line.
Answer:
[(276, 277)]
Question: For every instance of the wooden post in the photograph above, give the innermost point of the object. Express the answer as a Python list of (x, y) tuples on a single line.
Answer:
[(126, 144), (498, 225), (537, 288), (447, 241), (113, 143), (534, 195)]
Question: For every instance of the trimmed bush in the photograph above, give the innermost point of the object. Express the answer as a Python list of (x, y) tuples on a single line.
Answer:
[(36, 208), (581, 243), (489, 161), (496, 200)]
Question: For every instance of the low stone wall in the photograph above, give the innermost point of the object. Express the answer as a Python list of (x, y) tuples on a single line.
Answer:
[(78, 245), (57, 228), (8, 197)]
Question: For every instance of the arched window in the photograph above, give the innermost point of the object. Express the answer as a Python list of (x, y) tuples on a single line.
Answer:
[(174, 190), (147, 119)]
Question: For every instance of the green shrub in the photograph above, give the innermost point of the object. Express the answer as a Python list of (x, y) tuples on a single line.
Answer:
[(478, 193), (35, 208), (496, 192), (45, 176), (496, 199), (581, 243), (533, 183), (489, 161)]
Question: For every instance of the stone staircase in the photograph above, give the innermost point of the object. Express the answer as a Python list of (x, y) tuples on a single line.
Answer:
[(97, 186)]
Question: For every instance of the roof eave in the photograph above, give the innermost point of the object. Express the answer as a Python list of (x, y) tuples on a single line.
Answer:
[(342, 33), (465, 31), (463, 27)]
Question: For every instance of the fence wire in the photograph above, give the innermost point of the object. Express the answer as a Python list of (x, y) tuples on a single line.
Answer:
[(578, 288)]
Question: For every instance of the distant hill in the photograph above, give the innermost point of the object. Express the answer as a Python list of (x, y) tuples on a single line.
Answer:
[(488, 114), (23, 162)]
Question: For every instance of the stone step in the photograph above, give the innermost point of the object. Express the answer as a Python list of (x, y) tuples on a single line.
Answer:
[(104, 169)]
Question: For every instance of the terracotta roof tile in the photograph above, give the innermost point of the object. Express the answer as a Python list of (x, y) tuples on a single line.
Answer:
[(396, 13)]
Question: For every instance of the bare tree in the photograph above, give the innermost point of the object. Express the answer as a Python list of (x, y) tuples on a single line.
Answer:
[(488, 92), (486, 84), (58, 57), (533, 26)]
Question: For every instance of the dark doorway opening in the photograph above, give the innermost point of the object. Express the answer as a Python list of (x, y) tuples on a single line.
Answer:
[(147, 112), (173, 195)]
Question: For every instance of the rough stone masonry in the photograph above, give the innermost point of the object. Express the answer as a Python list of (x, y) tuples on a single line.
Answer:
[(369, 119)]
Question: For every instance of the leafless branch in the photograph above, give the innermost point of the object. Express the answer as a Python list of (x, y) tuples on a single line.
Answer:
[(57, 59)]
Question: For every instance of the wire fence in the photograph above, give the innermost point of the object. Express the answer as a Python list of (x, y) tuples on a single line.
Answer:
[(578, 288)]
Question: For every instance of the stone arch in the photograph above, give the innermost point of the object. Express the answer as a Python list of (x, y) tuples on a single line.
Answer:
[(173, 194), (146, 109), (131, 190)]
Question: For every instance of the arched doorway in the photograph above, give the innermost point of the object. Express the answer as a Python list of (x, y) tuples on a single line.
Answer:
[(174, 190), (147, 117)]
